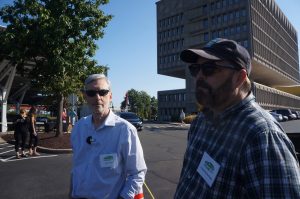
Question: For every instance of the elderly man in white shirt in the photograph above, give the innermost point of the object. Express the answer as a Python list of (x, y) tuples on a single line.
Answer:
[(108, 160)]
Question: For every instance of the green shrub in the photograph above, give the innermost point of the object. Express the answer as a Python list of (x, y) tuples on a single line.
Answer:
[(188, 119)]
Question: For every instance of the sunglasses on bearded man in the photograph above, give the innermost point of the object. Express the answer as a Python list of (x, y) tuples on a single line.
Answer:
[(207, 68)]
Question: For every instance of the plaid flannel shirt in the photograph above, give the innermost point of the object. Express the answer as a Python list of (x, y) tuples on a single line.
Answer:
[(256, 158)]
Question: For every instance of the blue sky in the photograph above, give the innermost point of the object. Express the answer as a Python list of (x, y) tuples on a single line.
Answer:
[(129, 46)]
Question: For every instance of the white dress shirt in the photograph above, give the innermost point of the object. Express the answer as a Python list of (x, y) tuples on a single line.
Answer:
[(112, 164)]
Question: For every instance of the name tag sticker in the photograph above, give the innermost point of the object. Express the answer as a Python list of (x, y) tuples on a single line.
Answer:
[(108, 160), (208, 169)]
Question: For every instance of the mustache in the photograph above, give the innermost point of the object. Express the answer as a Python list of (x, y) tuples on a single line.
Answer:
[(203, 84)]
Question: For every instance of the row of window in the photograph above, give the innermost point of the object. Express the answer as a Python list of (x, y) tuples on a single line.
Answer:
[(267, 55), (170, 33), (178, 97), (169, 21), (277, 44), (169, 58), (282, 34), (222, 4), (177, 44), (226, 17), (272, 12), (229, 31)]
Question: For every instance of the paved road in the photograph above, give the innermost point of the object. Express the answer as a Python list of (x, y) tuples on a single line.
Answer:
[(163, 149), (47, 176)]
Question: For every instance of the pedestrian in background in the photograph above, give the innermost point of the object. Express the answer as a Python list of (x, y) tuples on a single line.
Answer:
[(20, 133), (108, 160), (33, 135), (235, 148), (73, 117), (182, 116), (65, 120)]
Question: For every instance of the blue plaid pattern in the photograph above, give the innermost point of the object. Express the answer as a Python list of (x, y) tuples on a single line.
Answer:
[(257, 158)]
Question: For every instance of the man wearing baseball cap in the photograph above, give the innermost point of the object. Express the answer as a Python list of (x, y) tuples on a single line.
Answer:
[(235, 148)]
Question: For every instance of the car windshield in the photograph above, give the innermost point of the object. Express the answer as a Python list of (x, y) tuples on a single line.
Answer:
[(128, 116)]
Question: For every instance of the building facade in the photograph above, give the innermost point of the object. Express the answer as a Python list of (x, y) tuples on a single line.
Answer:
[(258, 25)]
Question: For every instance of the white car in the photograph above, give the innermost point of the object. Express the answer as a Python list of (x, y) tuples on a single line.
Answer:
[(277, 116)]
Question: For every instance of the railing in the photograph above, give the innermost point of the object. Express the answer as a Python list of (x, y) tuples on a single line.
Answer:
[(270, 98)]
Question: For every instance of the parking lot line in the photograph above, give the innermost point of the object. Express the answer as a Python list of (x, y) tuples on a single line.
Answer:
[(10, 159), (7, 151), (149, 191), (4, 144), (10, 146)]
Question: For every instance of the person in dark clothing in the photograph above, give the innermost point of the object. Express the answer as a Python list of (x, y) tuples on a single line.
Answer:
[(20, 134), (33, 140)]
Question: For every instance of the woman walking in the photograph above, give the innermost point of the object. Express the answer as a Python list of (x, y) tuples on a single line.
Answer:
[(33, 140), (20, 134)]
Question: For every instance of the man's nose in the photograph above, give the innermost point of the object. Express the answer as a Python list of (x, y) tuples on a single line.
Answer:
[(200, 74)]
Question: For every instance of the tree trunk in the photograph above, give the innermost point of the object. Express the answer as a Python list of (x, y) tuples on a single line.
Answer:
[(60, 107)]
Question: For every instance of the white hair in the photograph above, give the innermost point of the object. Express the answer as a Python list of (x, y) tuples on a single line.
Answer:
[(94, 77)]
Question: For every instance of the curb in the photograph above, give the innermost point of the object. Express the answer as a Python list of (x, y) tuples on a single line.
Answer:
[(44, 149), (53, 151), (2, 141)]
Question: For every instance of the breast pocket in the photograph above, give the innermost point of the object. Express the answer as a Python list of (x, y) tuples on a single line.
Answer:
[(110, 163)]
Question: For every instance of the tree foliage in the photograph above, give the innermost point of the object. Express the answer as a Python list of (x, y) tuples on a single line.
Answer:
[(59, 37), (141, 103)]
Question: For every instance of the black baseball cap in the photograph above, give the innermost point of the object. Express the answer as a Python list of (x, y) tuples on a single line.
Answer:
[(220, 49)]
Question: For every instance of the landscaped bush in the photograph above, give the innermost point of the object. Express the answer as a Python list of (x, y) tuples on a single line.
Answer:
[(188, 119)]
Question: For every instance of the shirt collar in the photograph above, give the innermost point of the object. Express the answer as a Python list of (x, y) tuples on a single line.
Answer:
[(109, 121)]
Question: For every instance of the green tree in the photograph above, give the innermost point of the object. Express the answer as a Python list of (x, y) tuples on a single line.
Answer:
[(59, 37), (154, 108), (140, 102)]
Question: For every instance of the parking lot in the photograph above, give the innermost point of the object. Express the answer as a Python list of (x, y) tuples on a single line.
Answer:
[(47, 176)]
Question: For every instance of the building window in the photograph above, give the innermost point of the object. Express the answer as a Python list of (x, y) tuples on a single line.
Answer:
[(238, 29), (205, 23), (206, 37), (214, 34), (219, 4), (245, 44), (219, 19), (225, 17), (232, 30)]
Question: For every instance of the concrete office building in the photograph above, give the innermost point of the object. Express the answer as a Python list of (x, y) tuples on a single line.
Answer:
[(258, 25)]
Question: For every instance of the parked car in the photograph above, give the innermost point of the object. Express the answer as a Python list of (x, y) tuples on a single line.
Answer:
[(133, 119), (277, 116), (42, 119), (297, 113), (286, 112)]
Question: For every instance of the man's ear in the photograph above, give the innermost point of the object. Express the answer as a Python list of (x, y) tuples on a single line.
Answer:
[(83, 94), (241, 78), (110, 97)]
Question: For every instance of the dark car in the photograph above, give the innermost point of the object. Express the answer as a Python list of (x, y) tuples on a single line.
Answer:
[(42, 119), (133, 119)]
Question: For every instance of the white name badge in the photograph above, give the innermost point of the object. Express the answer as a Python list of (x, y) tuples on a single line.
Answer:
[(208, 169), (108, 160)]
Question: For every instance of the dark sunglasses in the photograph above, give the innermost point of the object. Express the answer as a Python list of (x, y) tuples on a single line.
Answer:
[(208, 69), (92, 93)]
